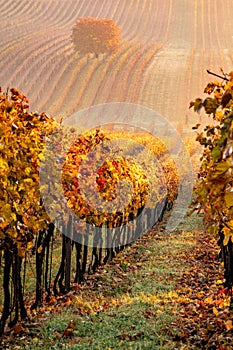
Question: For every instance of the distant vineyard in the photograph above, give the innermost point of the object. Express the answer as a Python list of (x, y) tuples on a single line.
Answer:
[(57, 80), (160, 63)]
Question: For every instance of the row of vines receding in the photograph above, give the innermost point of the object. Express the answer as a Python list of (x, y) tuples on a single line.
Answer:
[(41, 258)]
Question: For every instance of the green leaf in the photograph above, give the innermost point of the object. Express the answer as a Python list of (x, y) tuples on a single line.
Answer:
[(197, 105), (216, 153), (210, 104)]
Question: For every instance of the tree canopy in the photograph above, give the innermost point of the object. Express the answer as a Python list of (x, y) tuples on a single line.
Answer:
[(96, 35)]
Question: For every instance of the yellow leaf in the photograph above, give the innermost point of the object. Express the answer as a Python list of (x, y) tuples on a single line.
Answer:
[(229, 199), (215, 311), (208, 300), (29, 181), (219, 282), (222, 168), (27, 170), (29, 245), (3, 164), (39, 250), (227, 234), (13, 216)]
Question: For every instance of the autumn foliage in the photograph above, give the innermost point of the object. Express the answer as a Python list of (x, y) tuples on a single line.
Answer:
[(96, 35), (27, 231), (106, 178), (22, 136), (214, 191)]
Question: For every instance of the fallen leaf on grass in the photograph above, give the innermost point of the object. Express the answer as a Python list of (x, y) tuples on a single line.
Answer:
[(18, 329), (76, 340), (69, 331), (203, 320), (125, 336)]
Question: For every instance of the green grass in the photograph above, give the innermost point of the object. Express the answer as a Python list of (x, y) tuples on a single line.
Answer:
[(139, 289), (111, 329)]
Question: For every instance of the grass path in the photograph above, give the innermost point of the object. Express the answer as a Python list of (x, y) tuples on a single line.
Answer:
[(154, 295)]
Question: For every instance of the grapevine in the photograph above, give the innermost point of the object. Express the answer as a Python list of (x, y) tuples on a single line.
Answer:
[(214, 191)]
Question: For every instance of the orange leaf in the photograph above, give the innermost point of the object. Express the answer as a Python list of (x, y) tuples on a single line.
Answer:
[(215, 311), (228, 325), (18, 329), (68, 332)]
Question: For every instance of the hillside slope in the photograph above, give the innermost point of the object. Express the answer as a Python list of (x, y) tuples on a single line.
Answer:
[(166, 48)]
